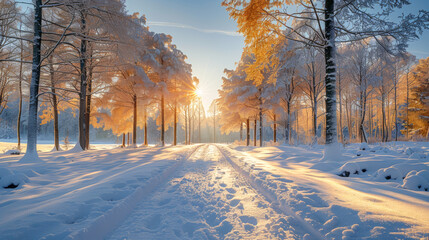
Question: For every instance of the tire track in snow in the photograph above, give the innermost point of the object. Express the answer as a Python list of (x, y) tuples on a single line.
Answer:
[(271, 197), (105, 224), (207, 199)]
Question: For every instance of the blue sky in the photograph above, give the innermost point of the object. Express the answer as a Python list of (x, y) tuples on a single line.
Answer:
[(203, 31)]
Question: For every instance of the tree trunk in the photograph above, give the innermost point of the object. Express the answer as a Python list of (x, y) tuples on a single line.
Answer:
[(186, 125), (123, 140), (396, 108), (330, 77), (275, 129), (407, 126), (54, 103), (362, 113), (18, 124), (341, 107), (289, 132), (145, 129), (241, 131), (189, 125), (214, 122), (31, 152), (83, 84), (199, 121), (314, 116), (254, 133), (88, 99), (248, 131), (175, 125), (260, 127), (135, 120), (162, 119)]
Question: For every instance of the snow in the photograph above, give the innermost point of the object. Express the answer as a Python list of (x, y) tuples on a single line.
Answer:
[(217, 191)]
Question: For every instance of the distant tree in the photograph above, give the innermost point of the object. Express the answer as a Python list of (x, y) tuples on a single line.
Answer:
[(419, 99)]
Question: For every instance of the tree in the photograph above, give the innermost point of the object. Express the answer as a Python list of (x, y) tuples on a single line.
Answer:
[(321, 24), (419, 99)]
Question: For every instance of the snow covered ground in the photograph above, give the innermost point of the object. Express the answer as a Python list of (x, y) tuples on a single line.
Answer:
[(218, 192)]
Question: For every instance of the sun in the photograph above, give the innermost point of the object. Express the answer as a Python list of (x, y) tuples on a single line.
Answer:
[(199, 92)]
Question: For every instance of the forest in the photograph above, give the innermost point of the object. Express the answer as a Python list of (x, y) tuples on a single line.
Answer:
[(90, 66), (246, 119)]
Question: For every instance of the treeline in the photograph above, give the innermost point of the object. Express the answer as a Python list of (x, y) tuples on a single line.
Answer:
[(93, 57), (326, 71)]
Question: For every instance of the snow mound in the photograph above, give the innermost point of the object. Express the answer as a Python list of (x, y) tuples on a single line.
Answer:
[(411, 150), (417, 155), (13, 152), (364, 146), (399, 171), (380, 149), (418, 181), (351, 168), (390, 173), (9, 179)]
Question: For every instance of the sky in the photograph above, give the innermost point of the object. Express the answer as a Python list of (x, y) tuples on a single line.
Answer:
[(203, 31)]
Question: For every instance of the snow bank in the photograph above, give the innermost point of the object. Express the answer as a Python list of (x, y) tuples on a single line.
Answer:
[(389, 163), (418, 181), (13, 152), (10, 179)]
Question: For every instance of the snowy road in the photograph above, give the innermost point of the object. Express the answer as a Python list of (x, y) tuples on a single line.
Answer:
[(207, 199), (208, 192)]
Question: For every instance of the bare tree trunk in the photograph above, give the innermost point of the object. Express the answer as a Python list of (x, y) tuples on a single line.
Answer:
[(407, 126), (199, 121), (83, 83), (88, 105), (18, 124), (31, 152), (383, 119), (123, 140), (175, 125), (162, 119), (275, 129), (349, 121), (54, 103), (330, 78), (260, 127), (214, 123), (248, 131), (341, 107), (396, 107), (370, 119), (190, 126), (135, 120), (186, 125), (254, 134), (241, 131), (145, 129)]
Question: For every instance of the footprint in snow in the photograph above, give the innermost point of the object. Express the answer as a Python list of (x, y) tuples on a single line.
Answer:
[(153, 222), (222, 185), (229, 196), (249, 219), (234, 202), (231, 190)]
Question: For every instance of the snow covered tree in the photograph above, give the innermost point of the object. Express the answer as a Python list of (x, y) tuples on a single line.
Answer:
[(328, 21), (419, 99)]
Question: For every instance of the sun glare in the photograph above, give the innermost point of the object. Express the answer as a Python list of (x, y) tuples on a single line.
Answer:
[(199, 92)]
